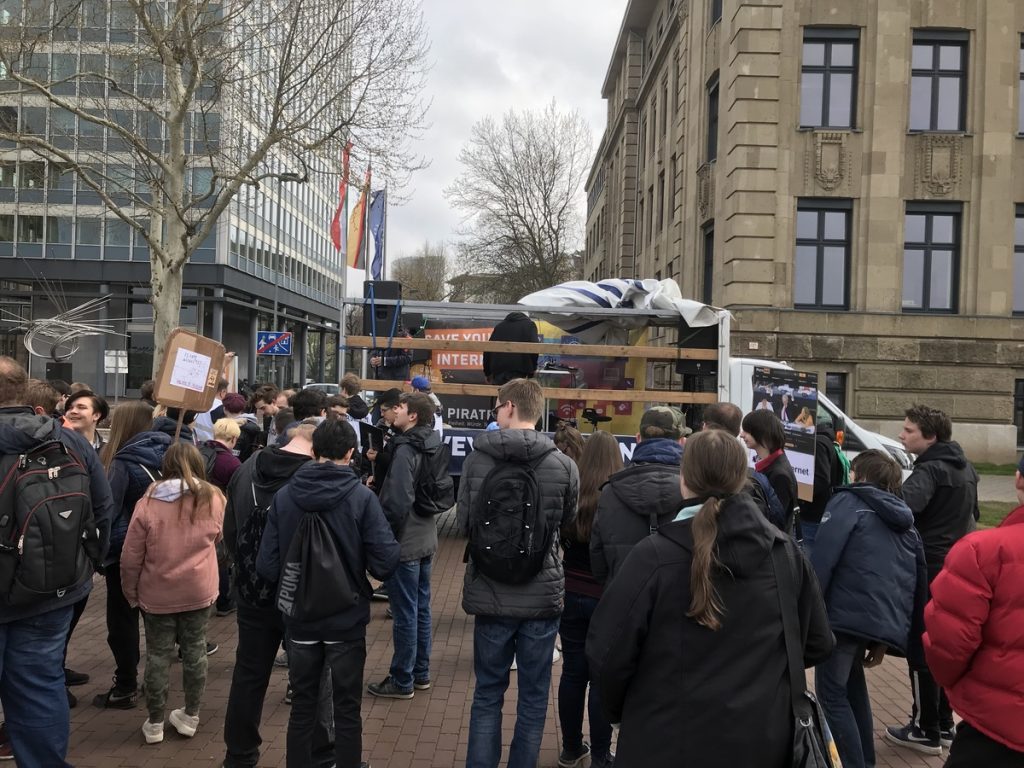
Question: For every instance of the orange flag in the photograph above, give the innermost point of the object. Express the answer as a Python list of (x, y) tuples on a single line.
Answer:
[(357, 229), (342, 194)]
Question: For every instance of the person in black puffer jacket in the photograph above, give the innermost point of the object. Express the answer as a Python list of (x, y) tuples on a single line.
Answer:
[(870, 565), (502, 367), (132, 458)]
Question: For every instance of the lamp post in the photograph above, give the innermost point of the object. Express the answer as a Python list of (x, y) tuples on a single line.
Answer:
[(278, 256)]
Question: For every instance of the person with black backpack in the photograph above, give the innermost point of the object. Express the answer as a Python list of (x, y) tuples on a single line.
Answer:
[(517, 491), (260, 624), (411, 496), (44, 468), (324, 530)]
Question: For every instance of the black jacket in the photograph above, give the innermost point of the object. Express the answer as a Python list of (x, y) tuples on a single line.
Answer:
[(362, 534), (418, 535), (942, 492), (357, 407), (827, 474), (129, 480), (647, 487), (501, 367), (168, 427), (396, 362), (265, 472), (21, 430), (783, 481), (687, 695)]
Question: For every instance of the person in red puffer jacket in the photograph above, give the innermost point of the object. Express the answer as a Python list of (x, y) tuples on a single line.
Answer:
[(974, 644)]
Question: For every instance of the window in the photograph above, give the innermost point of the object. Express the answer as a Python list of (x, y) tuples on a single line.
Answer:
[(822, 260), (87, 231), (32, 175), (8, 173), (30, 229), (715, 12), (58, 230), (1018, 410), (709, 262), (1018, 264), (661, 201), (835, 388), (1020, 91), (937, 82), (7, 228), (931, 256), (672, 188), (712, 147), (828, 78)]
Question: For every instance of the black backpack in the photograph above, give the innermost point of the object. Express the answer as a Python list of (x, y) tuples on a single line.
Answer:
[(316, 581), (210, 457), (48, 533), (252, 588), (510, 536), (435, 489)]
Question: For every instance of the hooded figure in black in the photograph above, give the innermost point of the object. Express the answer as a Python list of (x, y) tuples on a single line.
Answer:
[(501, 367)]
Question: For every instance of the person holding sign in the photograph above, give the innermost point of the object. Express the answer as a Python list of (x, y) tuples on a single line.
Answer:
[(763, 434)]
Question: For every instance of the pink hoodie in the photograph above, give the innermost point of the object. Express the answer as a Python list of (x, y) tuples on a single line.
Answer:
[(168, 564)]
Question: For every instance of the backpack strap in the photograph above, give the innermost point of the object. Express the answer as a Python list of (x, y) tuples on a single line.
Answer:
[(785, 586), (145, 469)]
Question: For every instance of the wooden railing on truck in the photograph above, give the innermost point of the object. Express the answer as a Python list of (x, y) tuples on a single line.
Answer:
[(663, 354)]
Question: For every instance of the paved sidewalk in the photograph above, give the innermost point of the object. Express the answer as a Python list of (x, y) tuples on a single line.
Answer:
[(428, 731)]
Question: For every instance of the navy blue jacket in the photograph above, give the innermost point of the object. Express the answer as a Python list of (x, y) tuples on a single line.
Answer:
[(20, 430), (129, 482), (363, 536), (870, 564)]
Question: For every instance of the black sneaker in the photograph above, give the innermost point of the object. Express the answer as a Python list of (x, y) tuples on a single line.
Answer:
[(574, 758), (422, 684), (226, 609), (912, 737), (117, 698), (946, 736), (387, 689), (608, 761), (72, 699), (74, 678), (381, 593)]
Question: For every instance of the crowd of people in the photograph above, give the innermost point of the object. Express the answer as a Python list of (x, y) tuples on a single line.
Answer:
[(666, 582)]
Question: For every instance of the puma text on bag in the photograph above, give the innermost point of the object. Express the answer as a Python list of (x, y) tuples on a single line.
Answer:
[(509, 536), (435, 490), (315, 579), (48, 533), (252, 588)]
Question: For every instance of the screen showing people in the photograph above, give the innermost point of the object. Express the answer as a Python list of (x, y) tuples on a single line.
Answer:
[(793, 397)]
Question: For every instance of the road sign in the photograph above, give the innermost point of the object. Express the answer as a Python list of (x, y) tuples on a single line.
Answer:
[(115, 361), (273, 343)]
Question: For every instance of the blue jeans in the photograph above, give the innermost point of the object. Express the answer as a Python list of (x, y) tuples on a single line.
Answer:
[(32, 687), (808, 533), (572, 688), (843, 693), (496, 640), (409, 593)]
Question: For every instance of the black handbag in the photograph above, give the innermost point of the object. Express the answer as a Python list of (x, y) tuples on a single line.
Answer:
[(813, 745)]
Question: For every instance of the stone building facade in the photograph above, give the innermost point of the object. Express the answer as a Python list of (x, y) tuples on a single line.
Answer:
[(847, 177)]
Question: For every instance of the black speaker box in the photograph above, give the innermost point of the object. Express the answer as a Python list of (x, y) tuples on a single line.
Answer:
[(697, 338), (381, 315)]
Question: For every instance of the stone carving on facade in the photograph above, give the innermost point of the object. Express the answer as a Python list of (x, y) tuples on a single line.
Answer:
[(939, 162), (705, 191), (830, 165)]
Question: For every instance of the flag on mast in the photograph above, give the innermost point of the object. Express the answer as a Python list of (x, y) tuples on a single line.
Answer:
[(357, 228), (378, 220), (342, 194)]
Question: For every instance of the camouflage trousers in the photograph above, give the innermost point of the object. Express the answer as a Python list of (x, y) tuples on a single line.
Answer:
[(162, 630)]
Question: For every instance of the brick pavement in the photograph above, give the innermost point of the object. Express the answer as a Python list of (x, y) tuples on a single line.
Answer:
[(431, 730)]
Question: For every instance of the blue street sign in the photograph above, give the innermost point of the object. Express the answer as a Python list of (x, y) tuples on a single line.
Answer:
[(273, 343)]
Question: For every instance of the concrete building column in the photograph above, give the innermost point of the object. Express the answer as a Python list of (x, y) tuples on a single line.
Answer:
[(303, 340), (321, 363), (217, 322), (102, 378), (253, 328)]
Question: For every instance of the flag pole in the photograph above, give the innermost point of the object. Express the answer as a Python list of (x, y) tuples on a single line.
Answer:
[(365, 361), (343, 311)]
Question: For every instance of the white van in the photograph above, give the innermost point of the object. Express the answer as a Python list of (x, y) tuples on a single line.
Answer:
[(855, 437)]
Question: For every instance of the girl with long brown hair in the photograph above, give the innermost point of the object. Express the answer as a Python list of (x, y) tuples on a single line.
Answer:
[(687, 645), (600, 459), (169, 569)]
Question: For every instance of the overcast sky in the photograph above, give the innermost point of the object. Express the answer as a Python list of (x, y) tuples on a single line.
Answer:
[(489, 57)]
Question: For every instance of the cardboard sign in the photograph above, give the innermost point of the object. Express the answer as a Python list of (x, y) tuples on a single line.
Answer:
[(189, 372)]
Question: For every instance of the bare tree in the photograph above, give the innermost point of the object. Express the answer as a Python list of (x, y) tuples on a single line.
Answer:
[(423, 275), (199, 100), (521, 193)]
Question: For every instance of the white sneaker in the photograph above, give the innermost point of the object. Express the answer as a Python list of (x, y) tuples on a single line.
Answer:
[(183, 723), (514, 665), (154, 732)]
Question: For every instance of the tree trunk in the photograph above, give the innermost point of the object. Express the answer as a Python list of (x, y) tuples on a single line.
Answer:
[(165, 284)]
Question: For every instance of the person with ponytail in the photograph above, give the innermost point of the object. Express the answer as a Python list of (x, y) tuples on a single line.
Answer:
[(686, 646), (169, 570)]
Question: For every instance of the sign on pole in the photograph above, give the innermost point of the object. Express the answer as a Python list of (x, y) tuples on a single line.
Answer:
[(189, 371), (115, 361), (274, 343)]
